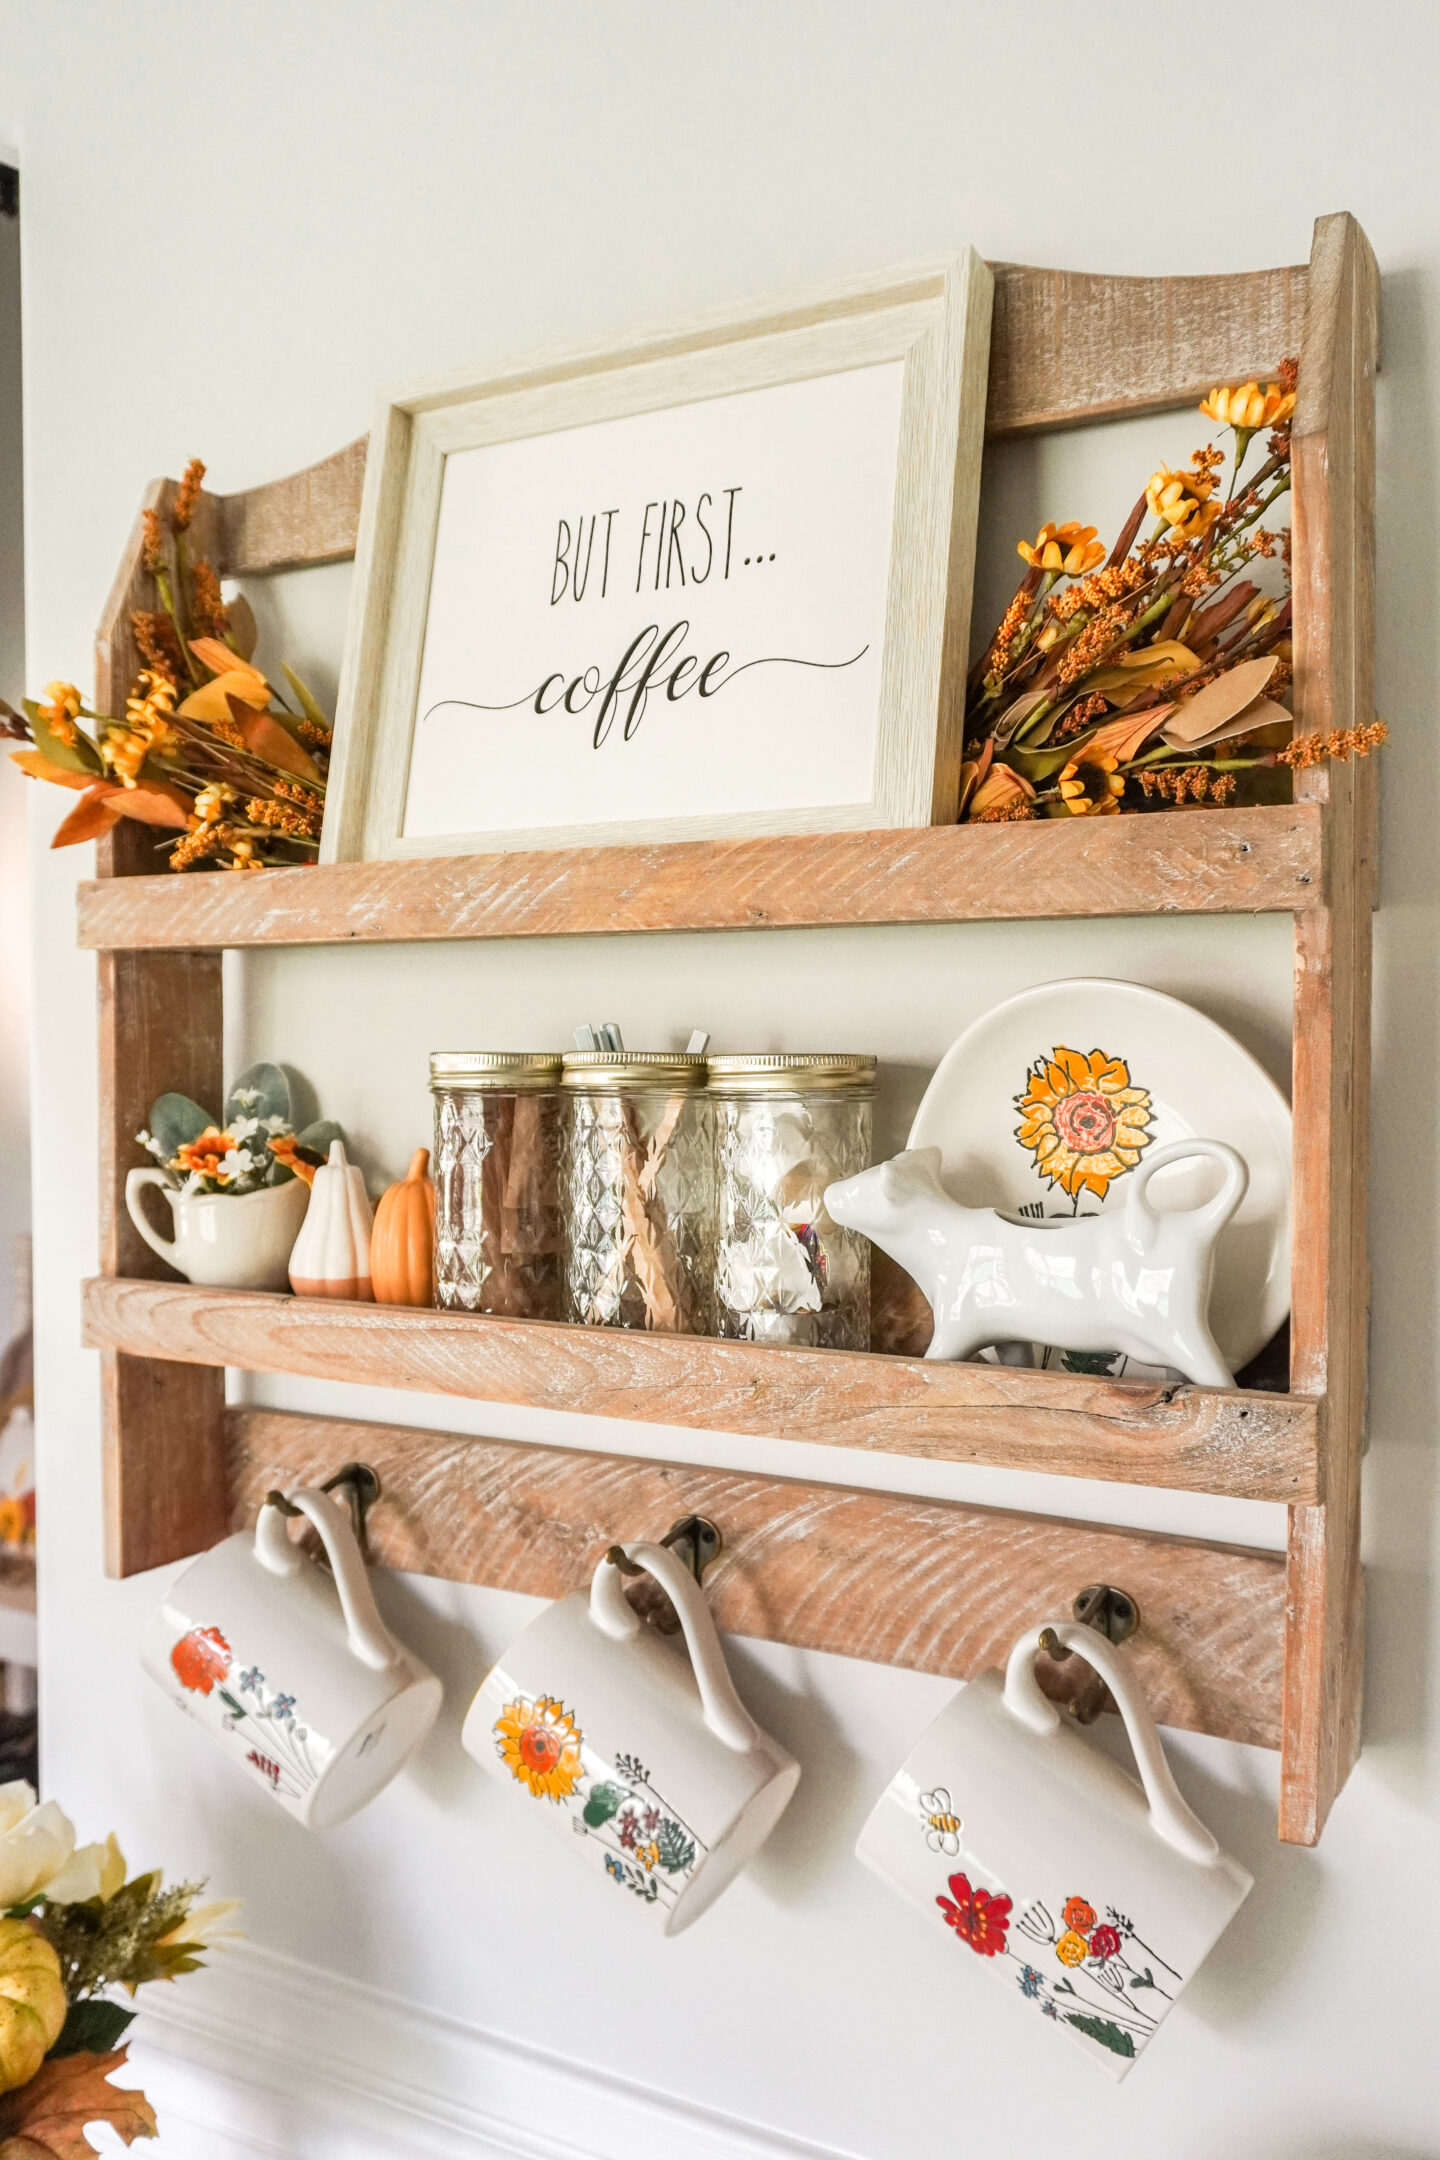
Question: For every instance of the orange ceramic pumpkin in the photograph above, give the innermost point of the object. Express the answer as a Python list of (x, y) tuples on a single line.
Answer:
[(402, 1244)]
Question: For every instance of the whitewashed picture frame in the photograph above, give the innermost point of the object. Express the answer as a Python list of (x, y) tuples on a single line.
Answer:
[(494, 697)]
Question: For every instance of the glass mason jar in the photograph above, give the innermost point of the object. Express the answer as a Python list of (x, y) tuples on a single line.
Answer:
[(499, 1232), (786, 1126), (639, 1191)]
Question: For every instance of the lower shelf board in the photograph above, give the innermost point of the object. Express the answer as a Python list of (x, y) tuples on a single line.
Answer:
[(935, 1586), (1247, 1445)]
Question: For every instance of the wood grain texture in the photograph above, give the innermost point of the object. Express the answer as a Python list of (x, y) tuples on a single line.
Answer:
[(160, 1029), (1069, 347), (1334, 467), (1259, 1447), (929, 1585), (307, 518), (1251, 861), (164, 1453)]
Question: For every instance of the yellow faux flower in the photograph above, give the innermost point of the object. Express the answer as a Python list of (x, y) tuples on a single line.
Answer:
[(1071, 548), (1090, 785), (210, 803), (62, 705), (1245, 406), (1182, 501)]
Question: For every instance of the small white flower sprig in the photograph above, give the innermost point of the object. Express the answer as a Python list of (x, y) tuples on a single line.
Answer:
[(256, 1145)]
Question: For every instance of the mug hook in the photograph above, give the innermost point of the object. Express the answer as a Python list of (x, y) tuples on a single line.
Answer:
[(1112, 1613), (361, 1487), (695, 1542)]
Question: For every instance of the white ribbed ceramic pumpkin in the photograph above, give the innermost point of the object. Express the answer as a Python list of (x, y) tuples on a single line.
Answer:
[(332, 1253)]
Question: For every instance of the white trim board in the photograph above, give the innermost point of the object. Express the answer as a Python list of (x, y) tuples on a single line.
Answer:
[(261, 2055)]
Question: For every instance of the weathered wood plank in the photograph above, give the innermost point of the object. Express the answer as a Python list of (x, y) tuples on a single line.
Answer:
[(1260, 1447), (164, 1453), (929, 1585), (1334, 522), (307, 518), (1252, 861), (1068, 347)]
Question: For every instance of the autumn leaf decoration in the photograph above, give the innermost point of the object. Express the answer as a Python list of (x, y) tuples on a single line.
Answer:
[(47, 2119)]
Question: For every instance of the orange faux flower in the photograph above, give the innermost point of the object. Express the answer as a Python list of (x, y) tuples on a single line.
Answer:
[(303, 1161), (1071, 548), (204, 1156), (1090, 785), (61, 709), (1001, 789)]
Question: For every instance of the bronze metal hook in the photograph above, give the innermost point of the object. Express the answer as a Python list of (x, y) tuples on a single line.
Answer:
[(361, 1487), (696, 1541), (1112, 1613)]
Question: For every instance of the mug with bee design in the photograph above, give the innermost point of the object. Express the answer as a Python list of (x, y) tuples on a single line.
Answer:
[(1091, 1897)]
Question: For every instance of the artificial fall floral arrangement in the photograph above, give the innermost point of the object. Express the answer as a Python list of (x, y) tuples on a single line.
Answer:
[(206, 750), (255, 1145), (1153, 676), (73, 1929)]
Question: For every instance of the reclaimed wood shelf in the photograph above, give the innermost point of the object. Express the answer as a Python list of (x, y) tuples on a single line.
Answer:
[(1256, 1646), (1247, 1445)]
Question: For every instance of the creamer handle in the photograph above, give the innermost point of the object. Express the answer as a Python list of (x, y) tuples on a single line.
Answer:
[(166, 1247), (612, 1612), (1170, 1814)]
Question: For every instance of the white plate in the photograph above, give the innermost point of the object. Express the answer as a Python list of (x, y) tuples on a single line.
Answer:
[(1184, 1078)]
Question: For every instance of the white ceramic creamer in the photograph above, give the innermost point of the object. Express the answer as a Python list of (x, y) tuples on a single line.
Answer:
[(292, 1668), (1091, 1898), (644, 1759)]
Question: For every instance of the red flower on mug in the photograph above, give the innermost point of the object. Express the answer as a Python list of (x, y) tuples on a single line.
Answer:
[(1104, 1943), (200, 1659), (979, 1917), (1079, 1915)]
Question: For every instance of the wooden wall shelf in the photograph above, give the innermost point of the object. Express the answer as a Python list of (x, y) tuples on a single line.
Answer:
[(1219, 862), (1248, 1445), (1249, 1645)]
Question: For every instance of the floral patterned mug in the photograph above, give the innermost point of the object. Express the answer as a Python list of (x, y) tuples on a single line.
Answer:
[(645, 1761), (1092, 1898), (290, 1667)]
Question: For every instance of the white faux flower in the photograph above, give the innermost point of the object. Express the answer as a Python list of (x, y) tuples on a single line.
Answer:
[(243, 1127), (237, 1164), (246, 1096), (35, 1843), (92, 1871), (277, 1125), (202, 1928)]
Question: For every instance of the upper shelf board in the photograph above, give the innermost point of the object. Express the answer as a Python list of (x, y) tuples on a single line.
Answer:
[(1267, 860)]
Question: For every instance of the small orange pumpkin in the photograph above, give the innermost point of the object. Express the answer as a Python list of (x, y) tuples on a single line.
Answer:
[(402, 1244)]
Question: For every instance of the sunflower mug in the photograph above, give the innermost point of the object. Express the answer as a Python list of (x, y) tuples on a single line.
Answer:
[(644, 1760), (1092, 1898), (290, 1667)]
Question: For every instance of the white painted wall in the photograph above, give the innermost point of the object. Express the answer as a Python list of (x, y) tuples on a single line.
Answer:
[(237, 226), (14, 875)]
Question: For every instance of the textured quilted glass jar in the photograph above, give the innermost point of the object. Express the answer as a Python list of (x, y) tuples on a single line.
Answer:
[(639, 1191), (499, 1232), (786, 1126)]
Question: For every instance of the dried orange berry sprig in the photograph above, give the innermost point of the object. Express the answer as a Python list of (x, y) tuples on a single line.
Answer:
[(206, 751)]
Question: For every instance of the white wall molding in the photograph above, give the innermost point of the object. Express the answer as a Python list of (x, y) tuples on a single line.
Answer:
[(261, 2055)]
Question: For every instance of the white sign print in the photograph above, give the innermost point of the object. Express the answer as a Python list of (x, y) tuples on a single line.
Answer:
[(673, 613), (706, 580)]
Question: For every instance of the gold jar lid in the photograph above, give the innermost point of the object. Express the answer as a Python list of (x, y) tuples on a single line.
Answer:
[(523, 1071), (791, 1072), (610, 1071)]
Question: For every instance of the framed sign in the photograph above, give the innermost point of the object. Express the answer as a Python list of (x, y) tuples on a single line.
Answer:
[(710, 580)]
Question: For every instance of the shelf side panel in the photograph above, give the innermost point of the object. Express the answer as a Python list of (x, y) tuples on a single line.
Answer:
[(1254, 1446), (1334, 467), (930, 1585)]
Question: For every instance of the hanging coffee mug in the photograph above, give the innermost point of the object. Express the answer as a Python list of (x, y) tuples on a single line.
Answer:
[(292, 1668), (1091, 1899), (646, 1761)]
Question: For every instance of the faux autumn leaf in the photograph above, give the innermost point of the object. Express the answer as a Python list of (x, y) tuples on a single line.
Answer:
[(93, 815), (211, 701), (40, 767), (154, 803), (267, 739), (46, 2119)]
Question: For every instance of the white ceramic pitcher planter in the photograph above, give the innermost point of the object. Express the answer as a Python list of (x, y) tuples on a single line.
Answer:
[(1092, 1898), (645, 1761), (292, 1669), (230, 1241)]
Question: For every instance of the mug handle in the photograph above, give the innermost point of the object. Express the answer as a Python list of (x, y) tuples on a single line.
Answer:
[(1170, 1815), (166, 1247), (370, 1639), (614, 1615)]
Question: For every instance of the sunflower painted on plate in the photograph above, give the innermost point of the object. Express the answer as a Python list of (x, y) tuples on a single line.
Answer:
[(1082, 1120), (539, 1743)]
